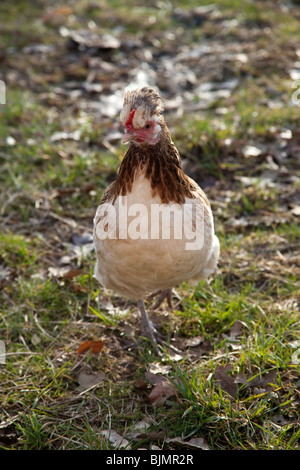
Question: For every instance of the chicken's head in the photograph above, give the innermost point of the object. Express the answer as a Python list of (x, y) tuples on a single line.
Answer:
[(141, 116)]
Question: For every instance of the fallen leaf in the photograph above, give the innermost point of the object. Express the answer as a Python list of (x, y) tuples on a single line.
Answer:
[(286, 134), (138, 429), (157, 368), (57, 271), (88, 379), (194, 443), (57, 136), (235, 331), (35, 339), (296, 210), (154, 378), (224, 381), (59, 11), (251, 151), (141, 385), (192, 342), (265, 381), (10, 140), (72, 273), (280, 420), (5, 275), (198, 443), (38, 49), (84, 39), (115, 439), (94, 345), (156, 435), (161, 392), (241, 379)]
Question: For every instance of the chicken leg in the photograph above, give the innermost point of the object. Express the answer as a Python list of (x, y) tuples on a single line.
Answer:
[(162, 295), (149, 331)]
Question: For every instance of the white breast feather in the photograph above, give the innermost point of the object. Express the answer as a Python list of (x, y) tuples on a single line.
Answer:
[(134, 267)]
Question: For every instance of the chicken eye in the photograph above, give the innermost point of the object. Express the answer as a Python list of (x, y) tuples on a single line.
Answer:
[(147, 126)]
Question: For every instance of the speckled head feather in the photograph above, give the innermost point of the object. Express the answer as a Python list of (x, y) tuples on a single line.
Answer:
[(145, 101)]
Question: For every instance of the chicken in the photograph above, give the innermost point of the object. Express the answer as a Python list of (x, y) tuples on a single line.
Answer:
[(154, 227)]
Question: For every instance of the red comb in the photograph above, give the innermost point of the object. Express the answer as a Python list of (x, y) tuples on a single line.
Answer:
[(128, 123)]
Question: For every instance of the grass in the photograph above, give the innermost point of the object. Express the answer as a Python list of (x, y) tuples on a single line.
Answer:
[(237, 387)]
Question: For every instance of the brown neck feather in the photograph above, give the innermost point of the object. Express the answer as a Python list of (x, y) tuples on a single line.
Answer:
[(161, 165)]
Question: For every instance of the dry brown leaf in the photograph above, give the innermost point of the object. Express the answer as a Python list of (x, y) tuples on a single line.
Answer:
[(224, 381), (236, 329), (54, 271), (56, 12), (94, 345), (191, 342), (161, 392), (280, 420), (139, 430), (6, 275), (140, 385), (72, 273), (265, 381), (88, 379), (194, 443), (241, 379), (114, 438), (154, 378), (198, 443), (228, 384)]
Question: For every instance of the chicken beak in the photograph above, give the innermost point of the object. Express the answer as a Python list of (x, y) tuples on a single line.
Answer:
[(128, 136)]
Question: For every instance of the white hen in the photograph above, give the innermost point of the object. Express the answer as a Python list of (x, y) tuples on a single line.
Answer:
[(154, 227)]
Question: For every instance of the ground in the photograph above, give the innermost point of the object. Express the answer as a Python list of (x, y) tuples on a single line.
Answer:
[(69, 375)]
